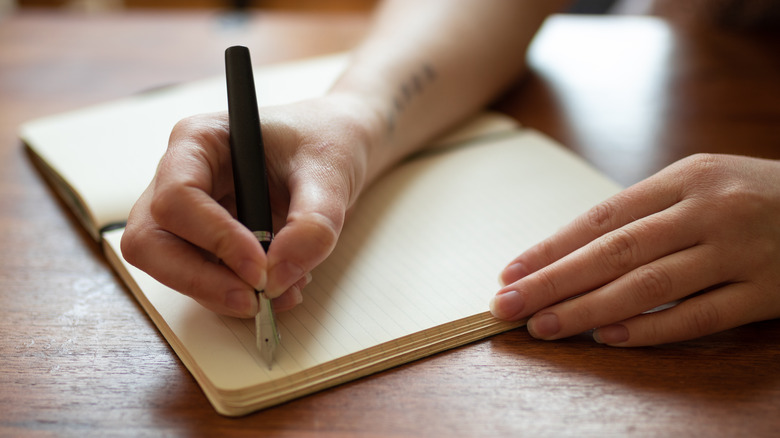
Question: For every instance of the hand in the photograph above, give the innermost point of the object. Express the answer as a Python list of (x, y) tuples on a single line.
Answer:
[(704, 231), (182, 230)]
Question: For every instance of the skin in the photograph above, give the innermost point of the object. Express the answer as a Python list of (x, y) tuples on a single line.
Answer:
[(703, 233)]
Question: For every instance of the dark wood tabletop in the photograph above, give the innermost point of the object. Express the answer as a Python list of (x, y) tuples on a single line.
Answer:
[(79, 357)]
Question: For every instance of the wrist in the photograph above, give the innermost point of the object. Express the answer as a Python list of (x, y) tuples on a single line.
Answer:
[(364, 119)]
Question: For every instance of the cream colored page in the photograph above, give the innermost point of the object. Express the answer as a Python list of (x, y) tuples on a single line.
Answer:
[(423, 247)]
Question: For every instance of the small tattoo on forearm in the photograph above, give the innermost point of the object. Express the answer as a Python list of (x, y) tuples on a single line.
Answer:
[(413, 87)]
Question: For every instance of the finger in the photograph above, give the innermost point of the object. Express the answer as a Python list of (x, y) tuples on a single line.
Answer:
[(292, 296), (657, 283), (598, 263), (193, 216), (190, 176), (726, 307), (641, 200), (314, 222), (184, 268)]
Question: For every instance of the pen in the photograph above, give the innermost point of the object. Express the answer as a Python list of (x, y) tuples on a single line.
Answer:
[(253, 202)]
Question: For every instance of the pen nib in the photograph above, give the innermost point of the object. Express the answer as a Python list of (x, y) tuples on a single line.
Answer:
[(265, 330)]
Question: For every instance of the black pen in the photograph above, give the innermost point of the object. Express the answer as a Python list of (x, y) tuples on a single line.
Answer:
[(250, 177)]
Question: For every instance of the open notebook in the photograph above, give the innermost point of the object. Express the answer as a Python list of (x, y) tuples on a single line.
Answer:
[(411, 275)]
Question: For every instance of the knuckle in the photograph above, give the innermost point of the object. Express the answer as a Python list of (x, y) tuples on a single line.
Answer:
[(704, 319), (618, 250), (130, 246), (196, 286), (702, 163), (186, 124), (601, 218), (223, 243), (162, 205), (323, 231), (546, 282), (327, 230), (702, 170), (206, 124), (652, 284), (545, 251), (202, 136)]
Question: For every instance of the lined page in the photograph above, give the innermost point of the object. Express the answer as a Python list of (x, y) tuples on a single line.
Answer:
[(422, 248)]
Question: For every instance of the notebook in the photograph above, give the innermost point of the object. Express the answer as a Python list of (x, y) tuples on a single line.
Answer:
[(411, 275)]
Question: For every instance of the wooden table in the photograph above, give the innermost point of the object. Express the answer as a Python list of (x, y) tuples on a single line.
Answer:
[(79, 357)]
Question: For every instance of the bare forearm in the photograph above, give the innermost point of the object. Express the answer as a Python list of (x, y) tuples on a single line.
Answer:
[(428, 64)]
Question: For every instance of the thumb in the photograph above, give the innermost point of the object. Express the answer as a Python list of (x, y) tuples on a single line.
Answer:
[(314, 222)]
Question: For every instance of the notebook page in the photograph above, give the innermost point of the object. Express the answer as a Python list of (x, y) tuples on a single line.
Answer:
[(422, 248)]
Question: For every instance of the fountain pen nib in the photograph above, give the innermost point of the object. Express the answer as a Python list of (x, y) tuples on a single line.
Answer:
[(265, 330)]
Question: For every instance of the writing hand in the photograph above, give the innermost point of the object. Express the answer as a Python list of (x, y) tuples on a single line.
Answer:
[(182, 230), (704, 231)]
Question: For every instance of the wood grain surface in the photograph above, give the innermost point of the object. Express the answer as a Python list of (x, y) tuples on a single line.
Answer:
[(78, 357)]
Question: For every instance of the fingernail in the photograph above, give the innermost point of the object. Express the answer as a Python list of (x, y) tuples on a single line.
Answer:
[(251, 272), (507, 305), (243, 302), (281, 277), (513, 273), (544, 325), (611, 334)]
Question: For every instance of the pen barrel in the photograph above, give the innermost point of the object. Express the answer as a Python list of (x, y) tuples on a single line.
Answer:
[(250, 178)]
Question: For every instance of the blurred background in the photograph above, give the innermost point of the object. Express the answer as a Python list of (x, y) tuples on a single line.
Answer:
[(737, 14), (581, 6), (99, 5)]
